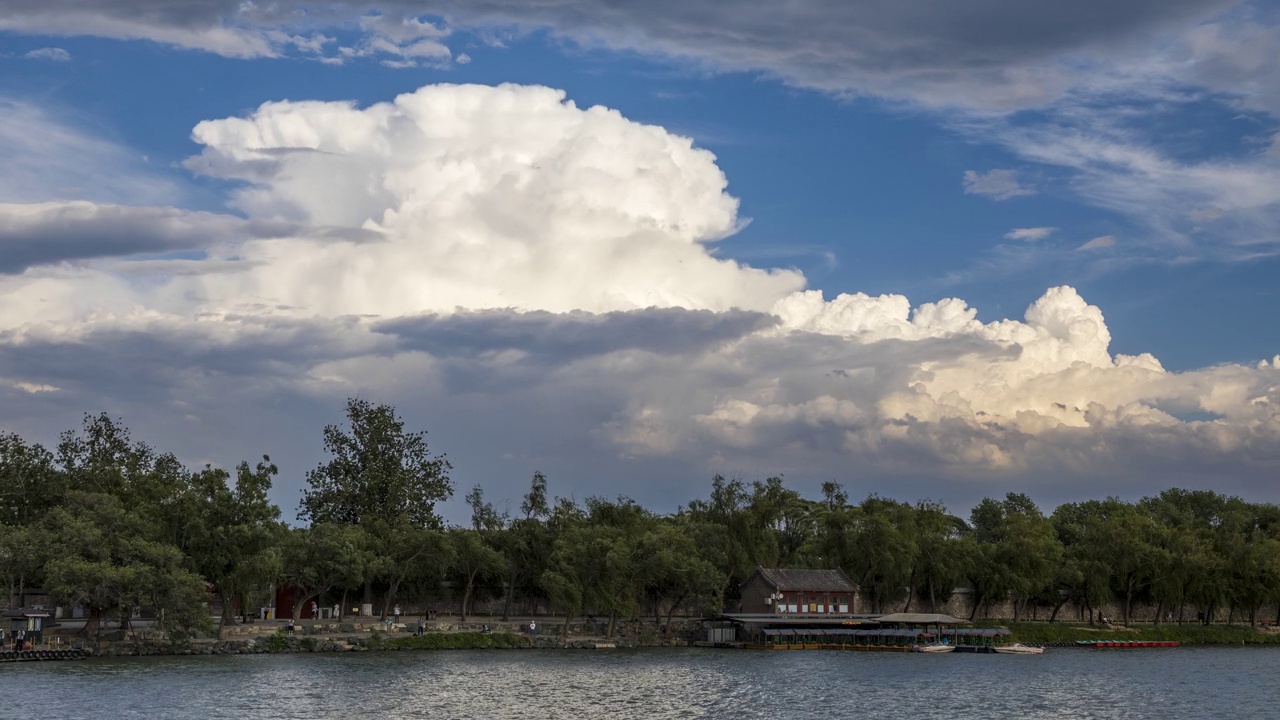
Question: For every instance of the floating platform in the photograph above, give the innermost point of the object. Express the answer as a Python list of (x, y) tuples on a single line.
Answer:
[(1128, 644), (43, 655)]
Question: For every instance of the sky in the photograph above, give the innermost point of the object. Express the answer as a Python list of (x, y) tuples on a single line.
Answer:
[(924, 249)]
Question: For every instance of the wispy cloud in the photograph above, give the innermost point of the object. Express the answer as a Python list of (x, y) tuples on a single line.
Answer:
[(1030, 234), (48, 158), (48, 53), (1102, 241), (995, 184)]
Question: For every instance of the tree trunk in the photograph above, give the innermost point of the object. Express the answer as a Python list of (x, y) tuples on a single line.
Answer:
[(1128, 602), (977, 600), (92, 623), (1089, 608), (613, 623), (1253, 616), (1053, 617), (1159, 612), (392, 588), (343, 609), (657, 610), (301, 602), (671, 611), (228, 611), (466, 595), (368, 593), (511, 591)]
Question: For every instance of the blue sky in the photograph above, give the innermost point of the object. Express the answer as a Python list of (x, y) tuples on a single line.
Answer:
[(1127, 153)]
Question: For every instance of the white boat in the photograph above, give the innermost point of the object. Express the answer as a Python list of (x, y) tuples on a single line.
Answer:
[(934, 648), (1019, 649)]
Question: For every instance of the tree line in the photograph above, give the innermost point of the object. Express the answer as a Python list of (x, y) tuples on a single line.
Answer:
[(112, 525)]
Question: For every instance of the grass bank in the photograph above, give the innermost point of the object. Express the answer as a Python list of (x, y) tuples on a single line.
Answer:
[(456, 641), (1040, 632)]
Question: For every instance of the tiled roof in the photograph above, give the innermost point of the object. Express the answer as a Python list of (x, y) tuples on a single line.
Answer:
[(814, 580)]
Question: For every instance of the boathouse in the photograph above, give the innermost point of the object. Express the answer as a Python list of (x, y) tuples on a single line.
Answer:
[(31, 622), (785, 591)]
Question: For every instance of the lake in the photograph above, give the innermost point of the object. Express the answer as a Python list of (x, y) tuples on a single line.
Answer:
[(1185, 682)]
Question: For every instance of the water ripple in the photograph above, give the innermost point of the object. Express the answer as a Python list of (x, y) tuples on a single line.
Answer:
[(654, 685)]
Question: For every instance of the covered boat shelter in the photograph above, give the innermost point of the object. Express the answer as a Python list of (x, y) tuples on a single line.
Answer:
[(894, 632)]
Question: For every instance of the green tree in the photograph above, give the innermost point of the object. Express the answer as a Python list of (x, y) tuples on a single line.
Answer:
[(474, 560), (323, 557), (1024, 546), (379, 477), (377, 471), (676, 570), (232, 533), (100, 557), (29, 483)]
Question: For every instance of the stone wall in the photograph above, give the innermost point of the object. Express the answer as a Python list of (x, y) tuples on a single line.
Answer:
[(357, 637)]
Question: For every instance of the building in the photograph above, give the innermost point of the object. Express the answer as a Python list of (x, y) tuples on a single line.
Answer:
[(790, 592), (31, 622)]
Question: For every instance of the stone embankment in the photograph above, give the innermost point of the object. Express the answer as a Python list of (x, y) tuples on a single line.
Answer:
[(364, 637)]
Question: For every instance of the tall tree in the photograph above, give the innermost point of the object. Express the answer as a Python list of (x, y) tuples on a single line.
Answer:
[(379, 476), (377, 471), (232, 533)]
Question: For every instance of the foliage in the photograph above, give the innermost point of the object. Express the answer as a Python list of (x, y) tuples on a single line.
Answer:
[(231, 533), (457, 641), (1050, 633), (377, 472), (115, 526)]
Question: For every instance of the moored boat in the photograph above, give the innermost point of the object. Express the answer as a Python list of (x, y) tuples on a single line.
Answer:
[(934, 648), (1018, 649)]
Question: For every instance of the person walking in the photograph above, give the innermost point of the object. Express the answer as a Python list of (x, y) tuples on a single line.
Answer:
[(533, 629), (397, 614)]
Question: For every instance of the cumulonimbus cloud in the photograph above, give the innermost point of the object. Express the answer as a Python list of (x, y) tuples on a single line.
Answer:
[(532, 258)]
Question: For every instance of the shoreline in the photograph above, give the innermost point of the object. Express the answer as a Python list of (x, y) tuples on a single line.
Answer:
[(259, 639)]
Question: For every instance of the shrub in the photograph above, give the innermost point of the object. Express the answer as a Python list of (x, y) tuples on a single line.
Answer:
[(457, 641)]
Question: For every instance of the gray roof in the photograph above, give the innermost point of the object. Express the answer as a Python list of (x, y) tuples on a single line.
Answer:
[(812, 580), (921, 619), (800, 619)]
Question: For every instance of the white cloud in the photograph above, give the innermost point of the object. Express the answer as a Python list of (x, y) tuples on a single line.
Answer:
[(538, 279), (995, 184), (1030, 234), (1102, 241), (487, 197), (49, 53)]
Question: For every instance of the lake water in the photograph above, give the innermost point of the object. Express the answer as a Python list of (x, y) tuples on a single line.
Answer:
[(682, 683)]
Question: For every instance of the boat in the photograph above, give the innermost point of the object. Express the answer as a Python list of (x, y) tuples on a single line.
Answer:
[(1018, 649), (934, 648)]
